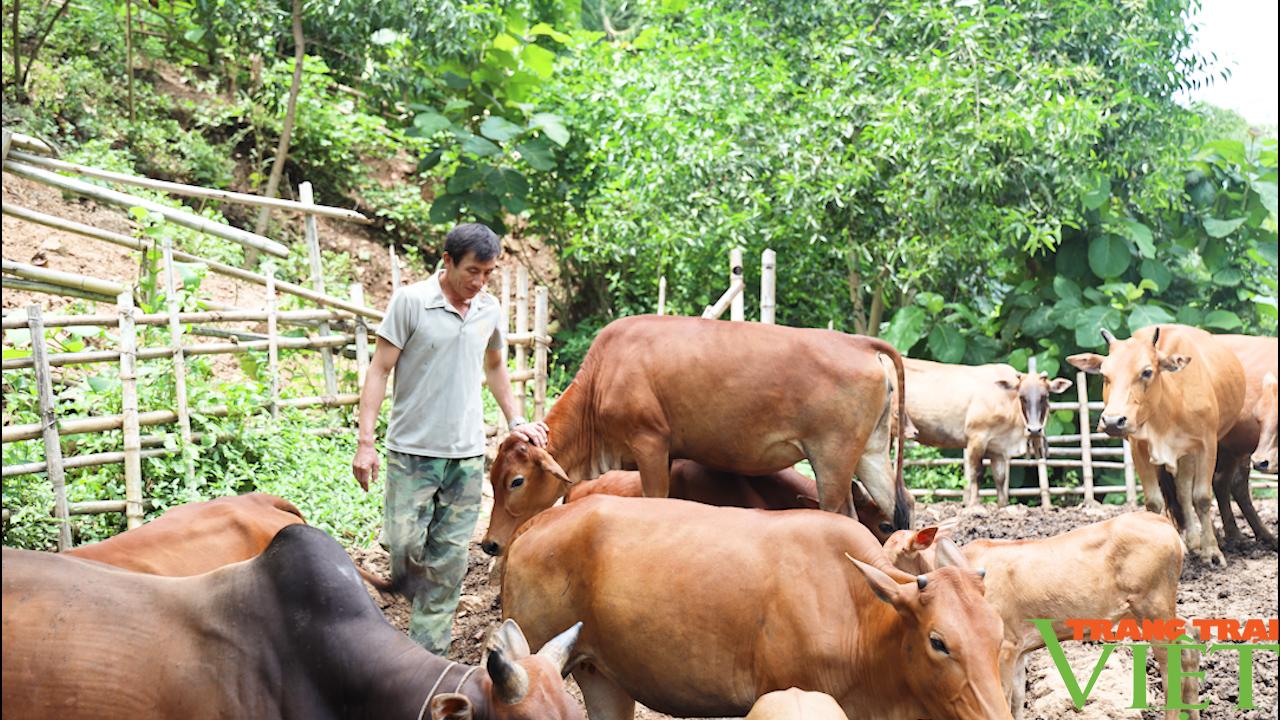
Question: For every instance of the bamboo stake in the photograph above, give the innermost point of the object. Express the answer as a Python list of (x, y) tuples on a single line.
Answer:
[(220, 268), (768, 287), (540, 354), (317, 281), (175, 216), (48, 427), (48, 289), (186, 318), (8, 140), (179, 367), (64, 279), (231, 348), (273, 353), (737, 307), (522, 326), (19, 141), (128, 51), (1042, 470), (662, 295), (395, 268), (129, 414), (362, 339), (191, 190), (1086, 442), (504, 304), (713, 312), (1130, 487)]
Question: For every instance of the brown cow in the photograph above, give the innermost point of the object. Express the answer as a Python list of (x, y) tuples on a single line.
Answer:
[(1173, 391), (796, 704), (1258, 357), (195, 538), (783, 490), (990, 411), (288, 634), (1264, 457), (743, 397), (697, 611), (1125, 567)]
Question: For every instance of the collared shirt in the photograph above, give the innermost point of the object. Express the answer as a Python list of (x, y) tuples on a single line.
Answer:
[(437, 409)]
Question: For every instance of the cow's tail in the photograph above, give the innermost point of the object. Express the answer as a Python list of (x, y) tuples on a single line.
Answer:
[(381, 584), (1169, 489), (901, 503)]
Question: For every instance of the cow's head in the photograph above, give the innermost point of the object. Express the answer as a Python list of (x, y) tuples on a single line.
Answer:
[(518, 685), (1033, 397), (950, 637), (1133, 373), (526, 480), (1264, 456)]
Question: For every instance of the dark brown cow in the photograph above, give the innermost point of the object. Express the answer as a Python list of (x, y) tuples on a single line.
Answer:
[(1174, 391), (783, 490), (989, 411), (288, 634), (748, 398), (697, 611), (195, 538), (1258, 357)]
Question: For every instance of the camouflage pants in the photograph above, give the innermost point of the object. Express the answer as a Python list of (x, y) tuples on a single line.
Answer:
[(431, 511)]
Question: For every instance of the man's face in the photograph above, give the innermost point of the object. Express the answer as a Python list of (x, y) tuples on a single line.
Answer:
[(468, 277)]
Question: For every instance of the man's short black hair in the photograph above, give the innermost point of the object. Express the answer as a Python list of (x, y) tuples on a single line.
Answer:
[(472, 238)]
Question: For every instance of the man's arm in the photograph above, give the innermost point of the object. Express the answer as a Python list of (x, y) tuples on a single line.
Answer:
[(495, 374), (365, 465)]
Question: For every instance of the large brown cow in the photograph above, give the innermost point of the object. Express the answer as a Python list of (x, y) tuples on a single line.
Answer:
[(288, 634), (783, 490), (1125, 567), (743, 397), (1173, 391), (989, 411), (1258, 357), (195, 538), (697, 611)]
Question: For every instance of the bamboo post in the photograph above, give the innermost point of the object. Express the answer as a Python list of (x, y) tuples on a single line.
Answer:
[(522, 327), (768, 263), (273, 350), (1042, 467), (662, 295), (179, 366), (1130, 488), (1086, 443), (49, 427), (737, 309), (129, 412), (540, 354), (395, 268), (8, 139), (362, 338), (317, 281), (63, 279), (504, 303), (128, 51)]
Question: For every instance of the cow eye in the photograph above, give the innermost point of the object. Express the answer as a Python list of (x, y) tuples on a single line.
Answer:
[(1146, 374), (517, 481), (936, 643), (886, 528)]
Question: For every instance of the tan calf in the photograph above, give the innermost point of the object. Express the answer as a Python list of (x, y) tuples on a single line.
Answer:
[(796, 704), (1125, 567)]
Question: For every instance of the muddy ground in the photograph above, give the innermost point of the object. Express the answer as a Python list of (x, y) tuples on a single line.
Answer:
[(1245, 589)]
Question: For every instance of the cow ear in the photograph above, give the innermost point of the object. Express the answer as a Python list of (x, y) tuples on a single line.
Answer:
[(881, 584), (550, 466), (949, 554), (510, 639), (808, 501), (1088, 362), (450, 706), (1174, 363), (1006, 385), (924, 538), (1059, 385)]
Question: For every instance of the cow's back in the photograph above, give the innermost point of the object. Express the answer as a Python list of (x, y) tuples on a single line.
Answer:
[(1257, 356), (949, 402), (198, 537)]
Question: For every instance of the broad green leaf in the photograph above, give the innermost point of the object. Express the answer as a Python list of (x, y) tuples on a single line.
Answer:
[(552, 125), (194, 35), (506, 182), (1267, 249), (499, 129), (1065, 288), (1147, 315), (16, 353), (1038, 322), (456, 81), (1230, 150), (905, 328), (539, 59), (430, 160), (430, 122), (1108, 256), (1097, 193), (1090, 323), (933, 302), (946, 343), (463, 178), (506, 42), (1188, 315), (1141, 236), (1222, 228), (545, 29), (1228, 277), (478, 146), (513, 204), (101, 383), (537, 152), (1222, 320), (1266, 190), (445, 208), (483, 204), (1156, 272)]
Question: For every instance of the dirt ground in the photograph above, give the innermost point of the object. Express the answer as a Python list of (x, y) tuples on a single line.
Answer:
[(1245, 589)]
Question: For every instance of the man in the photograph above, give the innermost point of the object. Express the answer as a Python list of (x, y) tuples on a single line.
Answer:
[(437, 335)]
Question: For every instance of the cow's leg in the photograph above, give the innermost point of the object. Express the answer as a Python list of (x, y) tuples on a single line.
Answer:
[(1152, 497), (1000, 476), (1190, 686), (1244, 498), (1224, 477), (1018, 700), (604, 699), (974, 452), (1010, 651), (833, 468), (653, 456), (1197, 484)]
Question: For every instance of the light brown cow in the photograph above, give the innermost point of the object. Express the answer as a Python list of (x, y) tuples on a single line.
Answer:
[(1258, 357), (783, 490), (1173, 391), (743, 397), (195, 538), (696, 611), (1125, 567), (796, 704), (1264, 457), (989, 411)]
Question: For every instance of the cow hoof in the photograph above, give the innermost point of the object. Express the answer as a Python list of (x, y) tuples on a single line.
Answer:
[(1215, 558)]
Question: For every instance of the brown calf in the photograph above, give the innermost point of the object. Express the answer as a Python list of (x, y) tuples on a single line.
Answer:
[(1258, 357)]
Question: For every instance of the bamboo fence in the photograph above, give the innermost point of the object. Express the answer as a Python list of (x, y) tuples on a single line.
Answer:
[(339, 324)]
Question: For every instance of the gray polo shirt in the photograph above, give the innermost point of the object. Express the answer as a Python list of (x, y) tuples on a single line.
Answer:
[(436, 405)]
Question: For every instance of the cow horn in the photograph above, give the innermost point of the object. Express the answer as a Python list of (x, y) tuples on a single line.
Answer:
[(510, 681), (559, 649), (921, 581), (1156, 337), (982, 573), (1107, 336)]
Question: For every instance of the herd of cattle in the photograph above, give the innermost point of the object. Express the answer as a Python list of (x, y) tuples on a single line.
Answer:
[(746, 601)]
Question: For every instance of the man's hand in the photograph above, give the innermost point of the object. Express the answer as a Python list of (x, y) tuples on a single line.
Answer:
[(535, 432), (365, 466)]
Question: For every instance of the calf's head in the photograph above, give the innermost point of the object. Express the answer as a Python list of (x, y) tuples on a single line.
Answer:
[(1264, 456), (1134, 374), (526, 480), (1033, 397)]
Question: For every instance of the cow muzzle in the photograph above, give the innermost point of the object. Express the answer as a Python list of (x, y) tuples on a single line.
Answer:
[(1115, 425), (491, 548), (1264, 465)]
